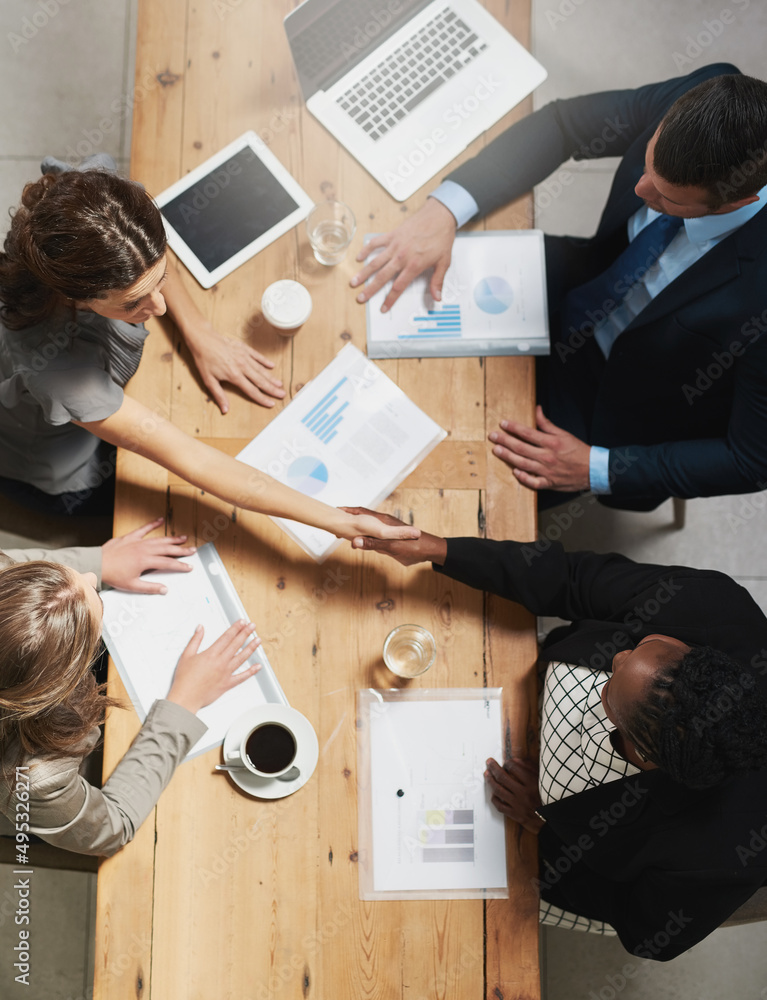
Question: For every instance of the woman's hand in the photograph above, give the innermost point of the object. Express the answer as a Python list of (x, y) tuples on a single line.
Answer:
[(201, 678), (364, 522), (222, 359), (515, 790), (124, 559), (219, 359)]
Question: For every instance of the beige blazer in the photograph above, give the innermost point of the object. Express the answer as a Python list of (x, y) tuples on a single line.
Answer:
[(67, 811)]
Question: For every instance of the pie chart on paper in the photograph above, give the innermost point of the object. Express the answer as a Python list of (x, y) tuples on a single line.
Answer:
[(493, 295), (308, 475)]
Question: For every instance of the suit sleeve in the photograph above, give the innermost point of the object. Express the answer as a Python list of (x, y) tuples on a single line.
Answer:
[(585, 128), (549, 581), (659, 915), (735, 463), (68, 812)]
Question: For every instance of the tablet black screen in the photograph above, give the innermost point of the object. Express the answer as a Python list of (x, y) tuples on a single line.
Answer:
[(229, 208)]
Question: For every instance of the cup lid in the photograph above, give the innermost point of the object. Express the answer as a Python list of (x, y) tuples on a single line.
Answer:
[(286, 303)]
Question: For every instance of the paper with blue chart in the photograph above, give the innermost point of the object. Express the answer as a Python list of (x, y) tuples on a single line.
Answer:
[(493, 302), (348, 438)]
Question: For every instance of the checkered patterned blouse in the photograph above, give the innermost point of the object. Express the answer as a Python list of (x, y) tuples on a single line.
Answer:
[(576, 753)]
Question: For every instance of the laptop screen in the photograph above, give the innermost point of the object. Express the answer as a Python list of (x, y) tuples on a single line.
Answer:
[(329, 37)]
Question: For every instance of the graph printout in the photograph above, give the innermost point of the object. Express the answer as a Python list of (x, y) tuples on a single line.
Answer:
[(493, 302), (433, 826), (147, 633), (348, 438)]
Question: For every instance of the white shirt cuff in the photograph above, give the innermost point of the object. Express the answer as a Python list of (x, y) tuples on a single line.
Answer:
[(599, 470), (457, 200)]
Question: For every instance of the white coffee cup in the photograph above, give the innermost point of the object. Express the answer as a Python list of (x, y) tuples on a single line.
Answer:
[(287, 305)]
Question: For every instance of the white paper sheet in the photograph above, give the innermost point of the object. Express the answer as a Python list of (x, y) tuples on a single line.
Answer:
[(433, 827), (493, 303), (349, 438), (147, 633)]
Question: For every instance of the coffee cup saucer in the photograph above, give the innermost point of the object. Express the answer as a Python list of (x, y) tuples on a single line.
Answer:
[(307, 754)]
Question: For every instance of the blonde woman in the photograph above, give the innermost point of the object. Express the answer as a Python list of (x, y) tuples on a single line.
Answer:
[(51, 706)]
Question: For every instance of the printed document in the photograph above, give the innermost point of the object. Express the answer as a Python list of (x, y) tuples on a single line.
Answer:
[(147, 633), (433, 826), (348, 438), (493, 302)]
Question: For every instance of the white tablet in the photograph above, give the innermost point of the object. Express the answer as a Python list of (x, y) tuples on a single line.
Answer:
[(230, 207)]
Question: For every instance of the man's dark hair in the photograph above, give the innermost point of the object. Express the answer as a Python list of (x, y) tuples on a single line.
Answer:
[(702, 719), (715, 137)]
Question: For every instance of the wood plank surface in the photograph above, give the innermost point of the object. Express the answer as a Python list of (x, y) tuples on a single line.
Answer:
[(512, 966), (124, 925), (221, 895)]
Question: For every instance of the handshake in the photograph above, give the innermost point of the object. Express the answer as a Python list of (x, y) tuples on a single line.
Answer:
[(408, 552)]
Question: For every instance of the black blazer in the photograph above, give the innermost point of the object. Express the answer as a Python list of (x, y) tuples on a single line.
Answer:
[(682, 399), (664, 864)]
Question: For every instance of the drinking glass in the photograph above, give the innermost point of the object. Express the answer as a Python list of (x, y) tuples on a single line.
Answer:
[(409, 650), (330, 227)]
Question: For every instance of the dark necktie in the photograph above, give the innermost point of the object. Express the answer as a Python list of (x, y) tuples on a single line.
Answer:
[(589, 304)]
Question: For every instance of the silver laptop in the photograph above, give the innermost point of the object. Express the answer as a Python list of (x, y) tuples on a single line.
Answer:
[(405, 85)]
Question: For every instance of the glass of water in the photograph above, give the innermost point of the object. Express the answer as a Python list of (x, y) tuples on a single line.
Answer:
[(409, 650), (330, 227)]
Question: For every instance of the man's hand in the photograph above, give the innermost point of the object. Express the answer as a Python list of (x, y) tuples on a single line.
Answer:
[(426, 548), (547, 458), (222, 359), (124, 559), (424, 240), (515, 790)]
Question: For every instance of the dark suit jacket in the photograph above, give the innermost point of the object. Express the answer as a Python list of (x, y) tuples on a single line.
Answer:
[(664, 864), (682, 399)]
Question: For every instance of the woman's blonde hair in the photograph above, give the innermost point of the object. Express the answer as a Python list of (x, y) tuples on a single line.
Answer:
[(49, 638)]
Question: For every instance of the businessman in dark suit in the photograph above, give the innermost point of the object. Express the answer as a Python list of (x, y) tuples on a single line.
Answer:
[(657, 381), (669, 852)]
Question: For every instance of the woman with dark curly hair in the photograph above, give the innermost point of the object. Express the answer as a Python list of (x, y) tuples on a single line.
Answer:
[(648, 793), (84, 265)]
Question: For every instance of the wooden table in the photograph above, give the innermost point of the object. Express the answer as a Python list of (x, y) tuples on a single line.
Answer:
[(222, 896)]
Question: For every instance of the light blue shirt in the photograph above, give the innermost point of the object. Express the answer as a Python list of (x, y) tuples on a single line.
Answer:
[(694, 239)]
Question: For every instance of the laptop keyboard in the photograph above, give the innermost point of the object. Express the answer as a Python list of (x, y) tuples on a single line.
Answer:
[(399, 83)]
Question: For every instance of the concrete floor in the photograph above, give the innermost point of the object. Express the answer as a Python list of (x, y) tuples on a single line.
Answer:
[(60, 74)]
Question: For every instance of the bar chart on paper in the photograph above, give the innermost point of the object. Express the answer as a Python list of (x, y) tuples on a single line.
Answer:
[(446, 835), (437, 323), (322, 420)]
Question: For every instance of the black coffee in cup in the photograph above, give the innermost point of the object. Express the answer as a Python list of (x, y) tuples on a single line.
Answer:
[(270, 748)]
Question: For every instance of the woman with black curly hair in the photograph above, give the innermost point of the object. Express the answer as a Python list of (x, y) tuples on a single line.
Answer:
[(648, 795)]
